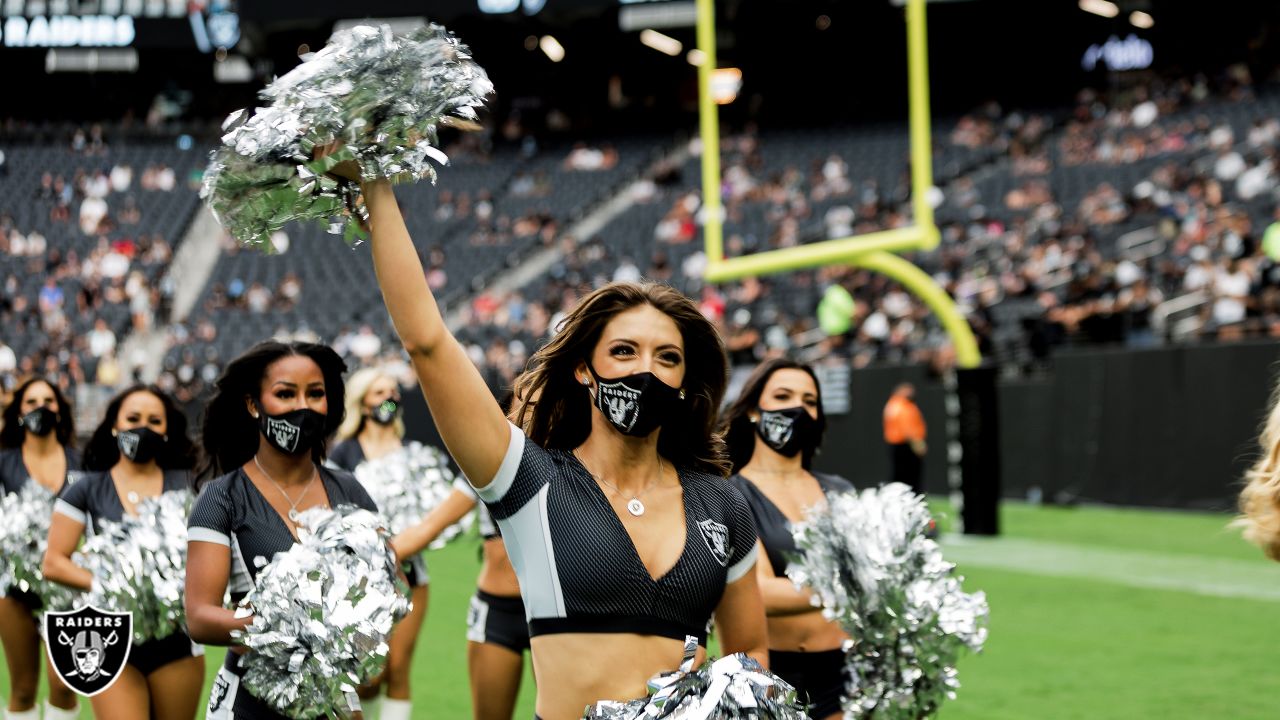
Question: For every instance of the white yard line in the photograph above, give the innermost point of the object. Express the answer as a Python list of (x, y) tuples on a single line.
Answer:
[(1218, 577)]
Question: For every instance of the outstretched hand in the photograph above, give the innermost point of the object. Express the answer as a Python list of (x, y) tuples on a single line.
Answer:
[(347, 169)]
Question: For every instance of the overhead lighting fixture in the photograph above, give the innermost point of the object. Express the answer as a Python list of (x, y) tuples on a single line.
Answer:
[(662, 43), (1105, 8), (696, 57), (1142, 20), (552, 48)]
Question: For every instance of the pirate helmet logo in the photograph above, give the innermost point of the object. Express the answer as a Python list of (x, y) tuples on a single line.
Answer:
[(716, 536), (88, 647), (129, 444), (777, 428), (284, 433), (620, 401)]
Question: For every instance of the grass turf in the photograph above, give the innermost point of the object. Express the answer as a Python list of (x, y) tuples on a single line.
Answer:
[(1059, 647)]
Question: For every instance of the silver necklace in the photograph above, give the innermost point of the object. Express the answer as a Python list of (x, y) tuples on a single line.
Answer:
[(293, 504), (634, 506)]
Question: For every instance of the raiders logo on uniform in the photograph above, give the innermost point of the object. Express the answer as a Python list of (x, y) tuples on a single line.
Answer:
[(621, 403), (284, 433), (218, 693), (88, 647), (716, 536)]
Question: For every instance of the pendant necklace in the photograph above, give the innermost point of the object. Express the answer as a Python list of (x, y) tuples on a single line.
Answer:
[(634, 505), (293, 504)]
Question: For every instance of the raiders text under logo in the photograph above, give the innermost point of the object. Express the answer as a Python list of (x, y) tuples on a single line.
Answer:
[(284, 433), (88, 647), (777, 428), (716, 536), (621, 402)]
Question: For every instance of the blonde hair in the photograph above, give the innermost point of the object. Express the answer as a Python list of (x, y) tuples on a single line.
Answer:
[(357, 387), (1260, 498)]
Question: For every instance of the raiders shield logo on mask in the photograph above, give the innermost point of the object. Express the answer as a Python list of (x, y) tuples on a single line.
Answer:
[(129, 444), (284, 433), (620, 402), (777, 428), (88, 647), (716, 536)]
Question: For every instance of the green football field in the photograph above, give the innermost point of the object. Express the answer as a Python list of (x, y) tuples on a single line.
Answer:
[(1095, 613)]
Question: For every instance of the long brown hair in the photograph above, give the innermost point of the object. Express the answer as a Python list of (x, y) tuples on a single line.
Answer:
[(559, 415), (12, 434)]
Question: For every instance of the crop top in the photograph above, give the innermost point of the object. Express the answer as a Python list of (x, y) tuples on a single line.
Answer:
[(14, 474), (578, 569), (774, 527), (231, 511), (94, 499)]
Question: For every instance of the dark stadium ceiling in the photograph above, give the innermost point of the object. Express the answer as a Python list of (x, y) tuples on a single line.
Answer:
[(801, 60)]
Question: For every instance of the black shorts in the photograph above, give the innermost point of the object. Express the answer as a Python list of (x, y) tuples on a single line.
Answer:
[(498, 621), (152, 655), (26, 598), (818, 677), (415, 569)]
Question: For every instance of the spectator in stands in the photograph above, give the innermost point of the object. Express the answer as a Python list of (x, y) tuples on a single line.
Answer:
[(365, 346), (101, 340), (93, 215), (258, 298)]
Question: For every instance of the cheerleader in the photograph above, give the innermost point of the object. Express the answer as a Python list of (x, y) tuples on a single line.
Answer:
[(611, 491), (1260, 497), (773, 430), (265, 432), (497, 634), (35, 446), (373, 429), (140, 450)]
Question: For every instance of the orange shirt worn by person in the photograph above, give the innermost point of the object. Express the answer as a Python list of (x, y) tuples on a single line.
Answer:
[(903, 422)]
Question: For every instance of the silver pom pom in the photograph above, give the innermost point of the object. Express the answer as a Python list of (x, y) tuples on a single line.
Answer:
[(139, 565), (408, 484), (24, 535), (870, 566), (322, 612), (383, 96), (733, 687)]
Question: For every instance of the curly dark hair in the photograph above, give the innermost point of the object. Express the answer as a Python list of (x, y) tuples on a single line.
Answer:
[(230, 434), (558, 412), (102, 453), (740, 433), (12, 434)]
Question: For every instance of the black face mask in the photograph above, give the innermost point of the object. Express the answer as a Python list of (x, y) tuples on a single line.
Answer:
[(293, 433), (40, 421), (787, 431), (140, 444), (636, 404), (387, 412)]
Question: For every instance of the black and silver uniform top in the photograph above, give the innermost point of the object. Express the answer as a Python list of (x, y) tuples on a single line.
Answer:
[(231, 511), (774, 528), (348, 454), (577, 566), (14, 473), (94, 499)]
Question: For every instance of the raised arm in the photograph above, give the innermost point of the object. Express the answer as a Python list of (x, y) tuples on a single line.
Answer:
[(470, 421), (208, 571), (417, 538), (64, 537)]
